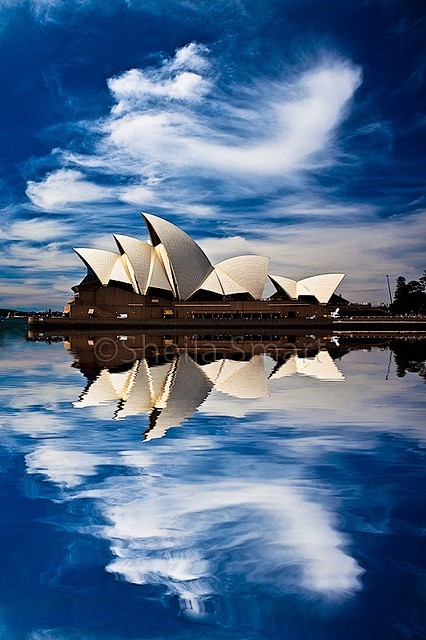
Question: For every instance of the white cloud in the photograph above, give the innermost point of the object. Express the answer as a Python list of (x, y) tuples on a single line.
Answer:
[(298, 120), (192, 57), (172, 125), (283, 532), (36, 230), (35, 424), (135, 87), (30, 293), (49, 257), (140, 195), (65, 187), (177, 79)]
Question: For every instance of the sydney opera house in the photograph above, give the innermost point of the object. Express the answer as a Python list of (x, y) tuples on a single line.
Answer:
[(169, 277)]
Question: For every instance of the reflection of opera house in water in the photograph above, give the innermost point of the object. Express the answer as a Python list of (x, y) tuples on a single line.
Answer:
[(169, 385), (169, 278)]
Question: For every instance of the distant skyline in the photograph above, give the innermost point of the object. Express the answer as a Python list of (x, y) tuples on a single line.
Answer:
[(288, 129)]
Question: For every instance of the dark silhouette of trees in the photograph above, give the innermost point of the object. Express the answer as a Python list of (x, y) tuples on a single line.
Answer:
[(410, 356), (410, 297)]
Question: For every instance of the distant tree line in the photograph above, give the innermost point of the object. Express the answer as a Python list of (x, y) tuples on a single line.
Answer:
[(7, 313), (410, 297), (12, 313)]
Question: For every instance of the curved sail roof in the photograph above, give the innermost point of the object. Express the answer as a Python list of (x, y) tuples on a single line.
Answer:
[(212, 283), (221, 283), (103, 264), (120, 272), (321, 287), (247, 271), (139, 256), (189, 264), (161, 274), (229, 285), (144, 264), (171, 261), (288, 285)]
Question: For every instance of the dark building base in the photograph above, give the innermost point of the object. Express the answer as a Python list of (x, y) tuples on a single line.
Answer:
[(234, 326)]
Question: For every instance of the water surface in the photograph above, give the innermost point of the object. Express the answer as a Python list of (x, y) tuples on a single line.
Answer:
[(211, 494)]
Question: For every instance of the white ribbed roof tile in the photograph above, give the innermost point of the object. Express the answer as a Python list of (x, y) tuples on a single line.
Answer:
[(229, 285), (161, 272), (286, 284), (101, 262), (323, 286), (189, 262), (172, 261), (248, 271), (119, 272), (212, 283), (139, 254)]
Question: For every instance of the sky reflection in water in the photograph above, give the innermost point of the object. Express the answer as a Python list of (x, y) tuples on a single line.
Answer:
[(286, 505)]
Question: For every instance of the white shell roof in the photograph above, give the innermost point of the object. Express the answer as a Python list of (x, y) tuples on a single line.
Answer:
[(130, 272), (161, 275), (173, 262), (248, 271), (120, 273), (139, 255), (100, 261), (321, 287), (229, 285), (212, 283), (286, 284), (188, 261), (144, 264)]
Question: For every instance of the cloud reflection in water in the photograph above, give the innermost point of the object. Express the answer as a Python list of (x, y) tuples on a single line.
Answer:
[(170, 524), (238, 522)]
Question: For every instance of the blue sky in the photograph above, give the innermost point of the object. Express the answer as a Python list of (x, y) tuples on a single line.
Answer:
[(293, 129)]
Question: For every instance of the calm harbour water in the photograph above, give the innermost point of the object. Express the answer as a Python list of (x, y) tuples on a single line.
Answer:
[(271, 497)]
